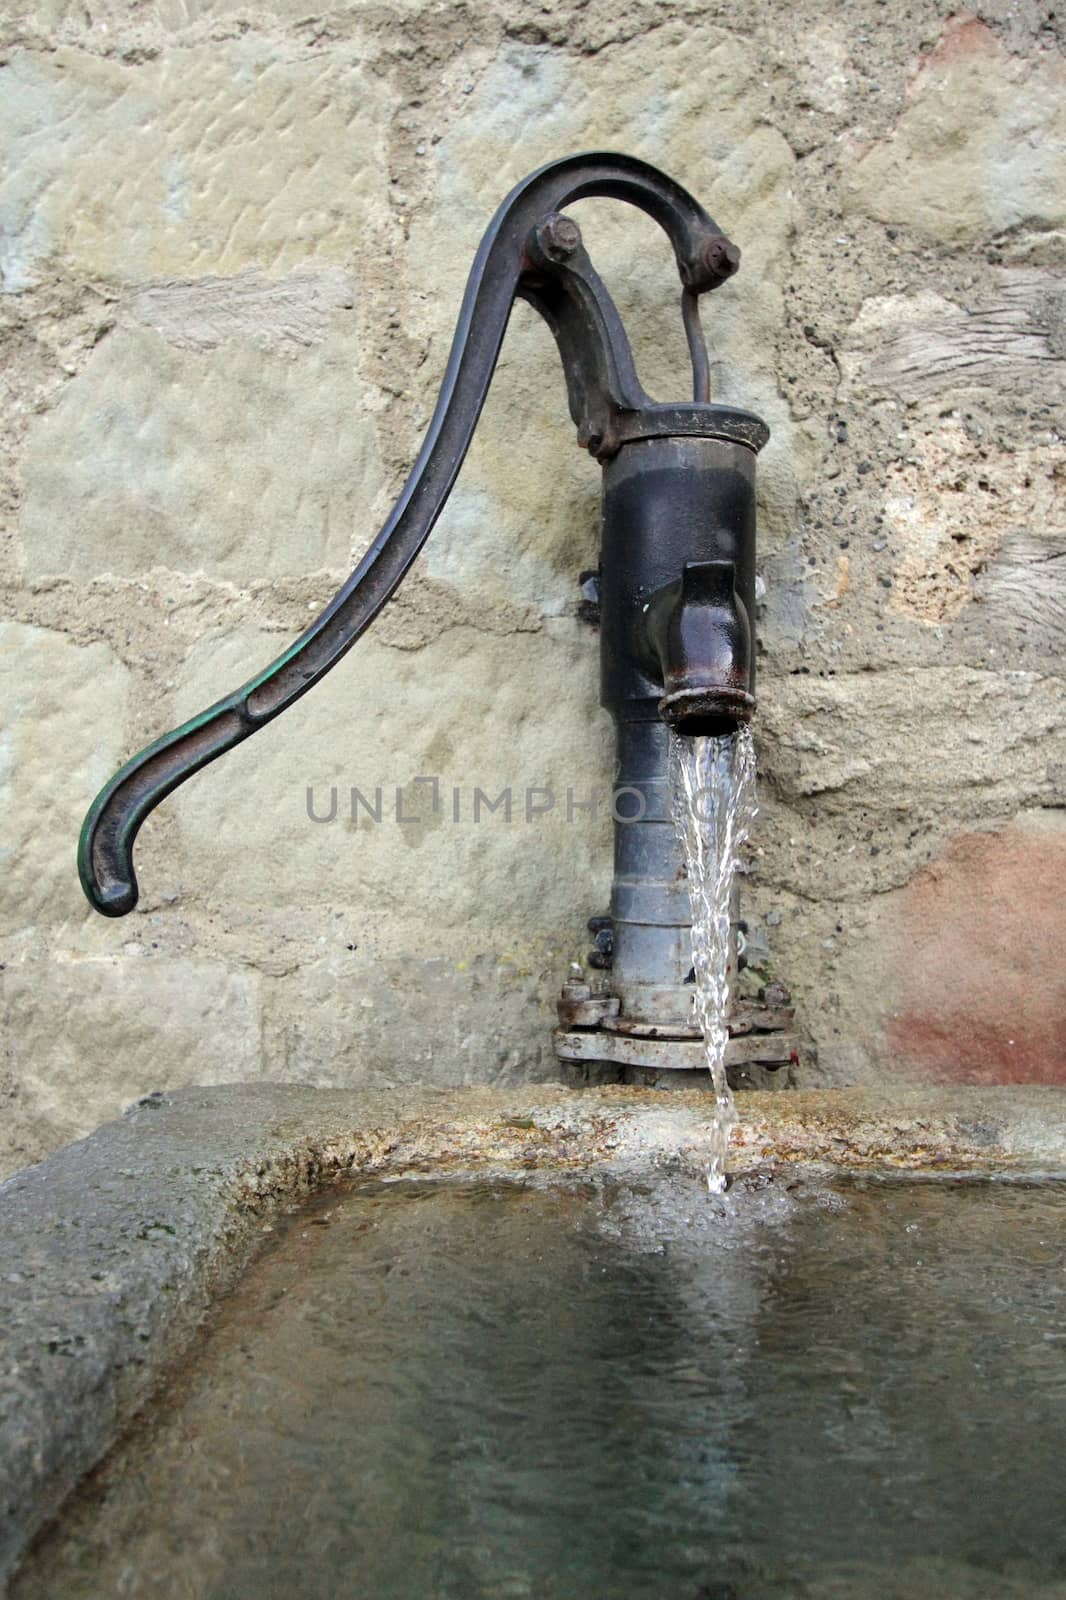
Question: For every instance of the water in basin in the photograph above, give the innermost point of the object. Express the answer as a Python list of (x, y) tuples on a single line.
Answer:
[(597, 1390)]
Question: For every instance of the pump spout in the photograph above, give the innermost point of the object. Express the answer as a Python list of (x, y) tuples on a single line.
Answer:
[(700, 633)]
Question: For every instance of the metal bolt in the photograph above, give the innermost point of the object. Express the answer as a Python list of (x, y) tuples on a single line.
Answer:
[(721, 256), (576, 991), (559, 236)]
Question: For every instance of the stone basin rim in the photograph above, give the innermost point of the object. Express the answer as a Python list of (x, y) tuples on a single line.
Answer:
[(114, 1248)]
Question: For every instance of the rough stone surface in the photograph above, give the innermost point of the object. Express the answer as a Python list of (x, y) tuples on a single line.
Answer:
[(112, 1250), (980, 147), (209, 158), (965, 979), (109, 1023), (65, 708), (123, 474), (517, 704), (232, 244)]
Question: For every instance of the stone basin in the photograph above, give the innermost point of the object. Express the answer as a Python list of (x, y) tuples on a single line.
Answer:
[(113, 1249)]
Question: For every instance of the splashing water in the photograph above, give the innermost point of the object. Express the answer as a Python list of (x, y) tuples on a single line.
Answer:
[(713, 783)]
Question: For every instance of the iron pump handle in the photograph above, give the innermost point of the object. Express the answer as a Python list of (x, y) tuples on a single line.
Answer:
[(528, 251)]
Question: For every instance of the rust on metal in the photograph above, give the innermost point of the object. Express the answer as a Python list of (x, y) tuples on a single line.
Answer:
[(628, 1050)]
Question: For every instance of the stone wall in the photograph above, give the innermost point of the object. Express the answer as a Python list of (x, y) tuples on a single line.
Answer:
[(233, 240)]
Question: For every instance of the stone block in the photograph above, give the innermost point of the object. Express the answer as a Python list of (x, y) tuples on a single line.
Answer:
[(211, 159), (957, 977), (951, 503), (979, 936), (1008, 339), (238, 461), (85, 1037), (469, 1016), (864, 775), (65, 708), (476, 711), (980, 148)]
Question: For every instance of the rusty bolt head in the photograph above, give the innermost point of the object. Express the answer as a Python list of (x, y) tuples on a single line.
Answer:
[(559, 236), (721, 256)]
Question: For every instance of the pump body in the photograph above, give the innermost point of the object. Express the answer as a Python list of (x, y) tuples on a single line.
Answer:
[(677, 575), (677, 608), (672, 509)]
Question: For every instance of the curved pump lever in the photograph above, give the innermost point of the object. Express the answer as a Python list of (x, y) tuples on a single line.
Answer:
[(528, 251)]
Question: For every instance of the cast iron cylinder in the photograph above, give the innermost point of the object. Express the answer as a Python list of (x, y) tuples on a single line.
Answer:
[(677, 599)]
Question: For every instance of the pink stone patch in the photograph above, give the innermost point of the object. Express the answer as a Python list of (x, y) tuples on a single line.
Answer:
[(982, 962)]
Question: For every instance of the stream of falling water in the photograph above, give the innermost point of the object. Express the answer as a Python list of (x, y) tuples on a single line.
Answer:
[(713, 785)]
